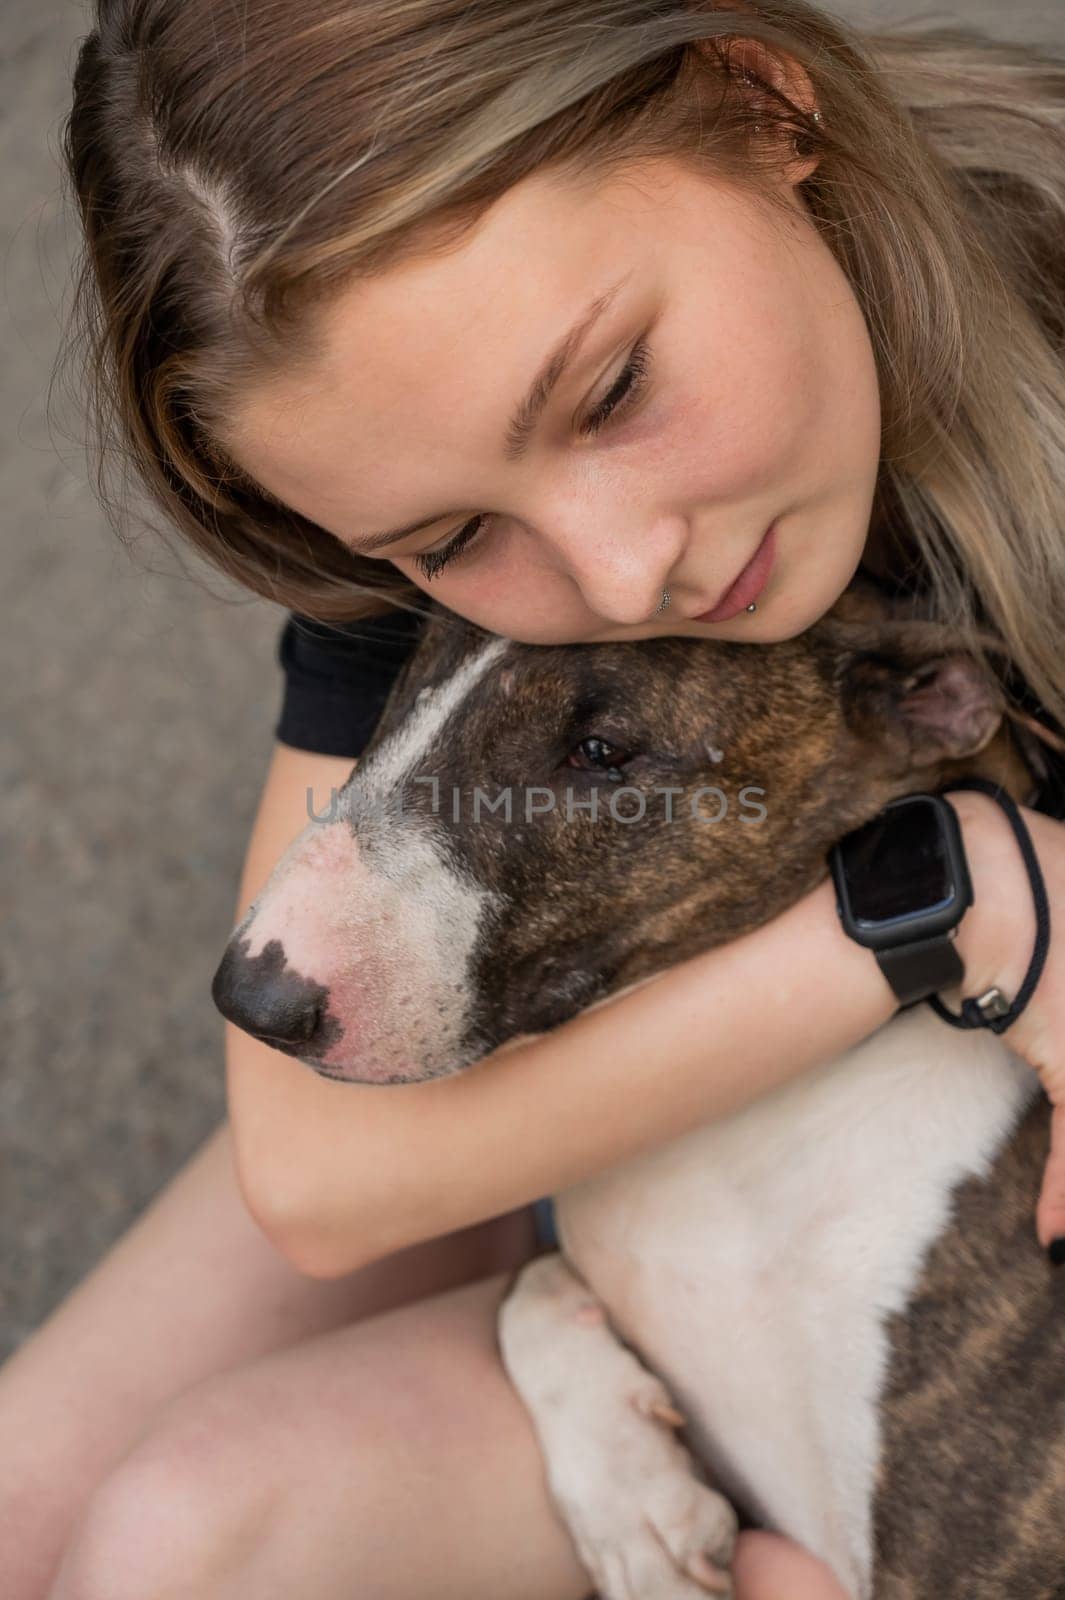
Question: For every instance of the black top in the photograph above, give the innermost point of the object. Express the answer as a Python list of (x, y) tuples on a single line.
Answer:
[(339, 675)]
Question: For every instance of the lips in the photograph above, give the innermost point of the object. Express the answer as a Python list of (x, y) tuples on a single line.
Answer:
[(747, 585)]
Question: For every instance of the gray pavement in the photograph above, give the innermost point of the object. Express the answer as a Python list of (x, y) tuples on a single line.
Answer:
[(137, 715), (138, 708)]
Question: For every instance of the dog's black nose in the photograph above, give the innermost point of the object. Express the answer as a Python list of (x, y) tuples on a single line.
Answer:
[(266, 998)]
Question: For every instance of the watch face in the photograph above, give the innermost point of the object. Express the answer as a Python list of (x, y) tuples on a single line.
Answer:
[(898, 865)]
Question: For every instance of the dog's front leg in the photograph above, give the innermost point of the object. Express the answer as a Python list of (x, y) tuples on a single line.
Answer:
[(645, 1524)]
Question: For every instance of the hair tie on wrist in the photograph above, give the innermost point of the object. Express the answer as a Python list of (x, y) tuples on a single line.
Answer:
[(991, 1009)]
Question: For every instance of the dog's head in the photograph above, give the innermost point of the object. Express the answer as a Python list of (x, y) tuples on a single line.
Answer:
[(535, 827)]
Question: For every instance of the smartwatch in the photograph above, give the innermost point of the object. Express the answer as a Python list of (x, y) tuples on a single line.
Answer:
[(902, 887)]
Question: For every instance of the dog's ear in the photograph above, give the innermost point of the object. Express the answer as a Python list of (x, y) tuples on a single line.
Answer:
[(945, 707), (913, 689)]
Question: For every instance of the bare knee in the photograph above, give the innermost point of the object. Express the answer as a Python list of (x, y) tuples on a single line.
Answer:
[(178, 1516)]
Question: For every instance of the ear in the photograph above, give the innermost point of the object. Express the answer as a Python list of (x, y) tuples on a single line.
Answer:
[(945, 707), (774, 83)]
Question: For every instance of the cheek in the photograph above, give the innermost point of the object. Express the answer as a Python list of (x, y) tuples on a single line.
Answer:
[(737, 440), (806, 411), (740, 419), (840, 378), (788, 389), (509, 592)]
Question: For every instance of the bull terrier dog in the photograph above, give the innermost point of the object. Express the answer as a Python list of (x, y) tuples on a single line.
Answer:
[(830, 1306)]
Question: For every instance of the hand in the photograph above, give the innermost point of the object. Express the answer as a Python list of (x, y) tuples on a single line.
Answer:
[(996, 938)]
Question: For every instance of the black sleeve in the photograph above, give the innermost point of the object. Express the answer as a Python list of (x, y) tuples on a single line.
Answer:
[(337, 677)]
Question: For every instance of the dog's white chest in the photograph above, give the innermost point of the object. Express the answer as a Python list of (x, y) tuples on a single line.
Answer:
[(753, 1264)]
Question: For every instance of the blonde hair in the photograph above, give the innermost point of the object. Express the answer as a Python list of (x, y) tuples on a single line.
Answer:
[(236, 165)]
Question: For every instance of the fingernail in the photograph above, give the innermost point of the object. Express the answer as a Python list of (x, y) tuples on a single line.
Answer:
[(1056, 1252)]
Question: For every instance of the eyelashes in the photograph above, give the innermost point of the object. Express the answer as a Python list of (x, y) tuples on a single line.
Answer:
[(432, 562), (631, 382)]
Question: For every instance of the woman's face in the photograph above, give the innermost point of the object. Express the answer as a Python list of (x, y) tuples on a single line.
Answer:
[(726, 385)]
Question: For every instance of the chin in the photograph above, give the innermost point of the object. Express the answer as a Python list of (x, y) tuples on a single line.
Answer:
[(788, 618)]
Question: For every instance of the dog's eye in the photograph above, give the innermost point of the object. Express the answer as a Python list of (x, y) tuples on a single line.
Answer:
[(595, 754)]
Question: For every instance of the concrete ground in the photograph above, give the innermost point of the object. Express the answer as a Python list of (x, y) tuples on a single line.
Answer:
[(138, 713), (138, 707)]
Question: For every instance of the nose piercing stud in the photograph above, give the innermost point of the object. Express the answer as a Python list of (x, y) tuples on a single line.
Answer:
[(752, 606)]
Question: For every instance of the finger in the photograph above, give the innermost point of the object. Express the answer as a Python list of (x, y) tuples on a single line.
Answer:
[(767, 1567), (1050, 1212)]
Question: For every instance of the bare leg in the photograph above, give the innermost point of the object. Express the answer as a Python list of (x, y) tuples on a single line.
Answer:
[(193, 1289), (392, 1459)]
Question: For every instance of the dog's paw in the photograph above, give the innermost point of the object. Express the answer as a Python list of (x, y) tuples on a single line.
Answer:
[(645, 1524), (673, 1545), (647, 1528)]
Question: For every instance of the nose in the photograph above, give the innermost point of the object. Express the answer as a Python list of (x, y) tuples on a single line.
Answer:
[(267, 998), (621, 577)]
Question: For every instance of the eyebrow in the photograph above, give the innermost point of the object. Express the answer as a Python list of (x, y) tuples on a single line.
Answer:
[(522, 425)]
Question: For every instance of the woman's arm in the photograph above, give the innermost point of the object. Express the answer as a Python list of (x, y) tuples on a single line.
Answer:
[(282, 814), (340, 1174), (996, 939), (348, 1172)]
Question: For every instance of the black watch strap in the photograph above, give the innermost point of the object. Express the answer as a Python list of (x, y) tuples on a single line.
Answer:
[(921, 968)]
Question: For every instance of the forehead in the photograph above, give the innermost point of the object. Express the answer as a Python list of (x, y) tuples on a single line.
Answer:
[(394, 353)]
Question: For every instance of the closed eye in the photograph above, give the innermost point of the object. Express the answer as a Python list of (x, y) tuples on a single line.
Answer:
[(631, 383)]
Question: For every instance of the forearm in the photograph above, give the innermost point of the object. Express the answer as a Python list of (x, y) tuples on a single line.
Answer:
[(363, 1170)]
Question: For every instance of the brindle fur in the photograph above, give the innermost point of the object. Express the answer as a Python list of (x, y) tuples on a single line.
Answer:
[(973, 1413)]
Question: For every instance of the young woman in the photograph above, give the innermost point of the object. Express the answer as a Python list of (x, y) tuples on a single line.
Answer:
[(568, 313)]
